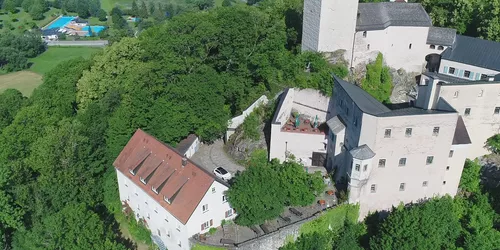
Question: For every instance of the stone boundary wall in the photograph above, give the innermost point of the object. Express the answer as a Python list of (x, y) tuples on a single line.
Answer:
[(270, 241), (238, 120)]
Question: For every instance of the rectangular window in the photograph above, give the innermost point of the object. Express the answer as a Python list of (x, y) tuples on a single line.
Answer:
[(213, 190), (467, 112), (444, 182), (168, 233), (158, 231), (387, 133), (429, 160), (205, 225), (368, 46), (381, 163), (229, 213), (204, 208), (357, 168), (435, 131), (497, 110), (402, 162), (224, 199), (467, 74), (408, 132), (484, 77), (402, 187), (178, 227), (447, 168), (409, 46), (451, 71), (365, 167), (365, 33), (424, 184), (450, 154), (166, 218), (455, 95), (373, 188), (480, 94), (179, 243)]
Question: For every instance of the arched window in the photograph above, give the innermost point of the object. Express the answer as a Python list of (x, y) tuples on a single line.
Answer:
[(409, 46), (440, 47), (432, 46)]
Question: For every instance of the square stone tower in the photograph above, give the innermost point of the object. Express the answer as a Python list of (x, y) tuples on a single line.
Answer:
[(329, 25)]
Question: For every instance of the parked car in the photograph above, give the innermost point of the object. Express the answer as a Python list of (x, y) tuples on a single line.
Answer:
[(222, 173)]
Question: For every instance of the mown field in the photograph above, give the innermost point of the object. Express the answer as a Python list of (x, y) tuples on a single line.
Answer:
[(27, 80)]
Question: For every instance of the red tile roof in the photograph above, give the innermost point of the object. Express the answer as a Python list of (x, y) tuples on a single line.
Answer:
[(160, 166)]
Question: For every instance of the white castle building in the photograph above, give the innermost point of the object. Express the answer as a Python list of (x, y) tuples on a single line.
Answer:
[(401, 31)]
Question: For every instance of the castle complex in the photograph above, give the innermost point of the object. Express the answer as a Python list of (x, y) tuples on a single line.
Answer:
[(403, 153)]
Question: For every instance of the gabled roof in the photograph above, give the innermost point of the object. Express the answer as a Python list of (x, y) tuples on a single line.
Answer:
[(446, 78), (184, 145), (362, 152), (160, 166), (364, 101), (378, 16), (336, 124), (441, 36), (474, 51), (461, 135)]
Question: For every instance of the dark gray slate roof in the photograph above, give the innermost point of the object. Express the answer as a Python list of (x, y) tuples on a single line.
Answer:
[(446, 78), (364, 101), (378, 16), (412, 111), (362, 152), (441, 36), (48, 32), (335, 124), (368, 104), (474, 51), (184, 145), (461, 135)]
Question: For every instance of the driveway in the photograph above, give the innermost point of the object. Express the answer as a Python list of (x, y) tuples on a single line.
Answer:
[(212, 156)]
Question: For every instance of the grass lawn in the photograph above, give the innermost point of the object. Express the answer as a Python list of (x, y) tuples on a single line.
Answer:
[(107, 5), (332, 219), (25, 21), (54, 55), (24, 81)]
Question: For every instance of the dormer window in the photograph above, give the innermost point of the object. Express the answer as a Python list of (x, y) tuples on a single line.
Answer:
[(143, 180), (167, 199), (131, 171), (154, 190)]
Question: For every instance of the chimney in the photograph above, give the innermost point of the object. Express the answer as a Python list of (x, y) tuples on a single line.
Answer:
[(184, 161)]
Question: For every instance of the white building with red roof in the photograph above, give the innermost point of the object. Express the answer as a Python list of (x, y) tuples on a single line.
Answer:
[(176, 198)]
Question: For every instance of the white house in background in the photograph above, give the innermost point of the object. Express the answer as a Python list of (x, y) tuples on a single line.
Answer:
[(478, 102), (388, 156), (176, 198), (306, 142), (401, 31), (188, 146)]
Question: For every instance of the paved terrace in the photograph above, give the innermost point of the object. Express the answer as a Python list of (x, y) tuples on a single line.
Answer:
[(234, 235)]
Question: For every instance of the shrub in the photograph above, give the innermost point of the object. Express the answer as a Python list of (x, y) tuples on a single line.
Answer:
[(212, 231), (15, 20), (138, 230)]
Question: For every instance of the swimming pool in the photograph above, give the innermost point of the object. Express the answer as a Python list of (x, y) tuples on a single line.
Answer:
[(60, 22), (95, 29)]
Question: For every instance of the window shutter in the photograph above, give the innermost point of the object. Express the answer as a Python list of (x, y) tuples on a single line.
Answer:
[(445, 69), (461, 73), (211, 222), (471, 76), (478, 76)]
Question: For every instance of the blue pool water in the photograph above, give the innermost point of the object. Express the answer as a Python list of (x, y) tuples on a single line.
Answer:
[(95, 29), (61, 22)]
